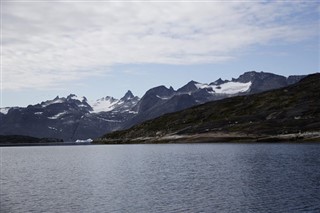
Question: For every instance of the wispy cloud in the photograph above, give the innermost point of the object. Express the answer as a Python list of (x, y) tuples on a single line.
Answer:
[(45, 44)]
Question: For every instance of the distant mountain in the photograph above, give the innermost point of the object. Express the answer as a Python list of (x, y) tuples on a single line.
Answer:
[(71, 118), (68, 118), (290, 113)]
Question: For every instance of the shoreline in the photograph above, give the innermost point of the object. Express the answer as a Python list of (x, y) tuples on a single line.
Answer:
[(155, 143), (313, 137), (297, 138), (43, 144)]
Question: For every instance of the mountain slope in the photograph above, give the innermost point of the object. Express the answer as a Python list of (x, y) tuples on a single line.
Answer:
[(289, 110)]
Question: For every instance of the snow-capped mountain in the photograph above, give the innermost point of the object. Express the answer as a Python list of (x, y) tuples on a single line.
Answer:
[(72, 117), (69, 118), (107, 104)]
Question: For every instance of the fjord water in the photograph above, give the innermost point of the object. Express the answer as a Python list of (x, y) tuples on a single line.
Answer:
[(161, 178)]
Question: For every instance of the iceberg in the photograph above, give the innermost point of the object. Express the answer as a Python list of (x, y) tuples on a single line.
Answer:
[(89, 140)]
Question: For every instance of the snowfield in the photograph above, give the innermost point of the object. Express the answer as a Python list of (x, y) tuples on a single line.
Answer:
[(104, 104), (226, 88)]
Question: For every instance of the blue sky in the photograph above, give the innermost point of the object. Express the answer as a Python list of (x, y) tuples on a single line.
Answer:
[(95, 49)]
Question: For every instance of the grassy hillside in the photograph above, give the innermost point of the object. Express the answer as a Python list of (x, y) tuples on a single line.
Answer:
[(294, 109)]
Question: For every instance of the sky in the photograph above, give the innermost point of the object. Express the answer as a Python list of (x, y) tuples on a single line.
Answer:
[(104, 48)]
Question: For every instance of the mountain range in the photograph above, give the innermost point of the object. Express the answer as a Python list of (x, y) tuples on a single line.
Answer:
[(290, 113), (71, 118)]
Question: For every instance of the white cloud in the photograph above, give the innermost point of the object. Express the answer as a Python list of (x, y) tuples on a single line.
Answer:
[(45, 44)]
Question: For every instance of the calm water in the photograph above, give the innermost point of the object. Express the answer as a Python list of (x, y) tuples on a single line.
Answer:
[(161, 178)]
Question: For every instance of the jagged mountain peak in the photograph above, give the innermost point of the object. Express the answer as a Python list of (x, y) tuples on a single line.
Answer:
[(75, 97), (219, 81), (192, 82), (129, 95), (56, 100), (189, 87), (107, 98), (162, 91), (71, 96), (108, 103)]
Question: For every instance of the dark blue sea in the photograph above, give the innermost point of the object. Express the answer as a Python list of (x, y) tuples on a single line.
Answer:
[(161, 178)]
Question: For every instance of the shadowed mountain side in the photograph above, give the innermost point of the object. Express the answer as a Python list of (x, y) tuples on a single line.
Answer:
[(162, 107), (288, 113)]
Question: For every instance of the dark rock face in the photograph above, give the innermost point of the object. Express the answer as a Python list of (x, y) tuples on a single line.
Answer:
[(189, 87), (160, 91), (176, 103), (262, 81), (73, 118), (292, 79), (154, 96), (127, 96), (219, 82)]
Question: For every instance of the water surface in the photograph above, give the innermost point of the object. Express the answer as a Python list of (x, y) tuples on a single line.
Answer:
[(161, 178)]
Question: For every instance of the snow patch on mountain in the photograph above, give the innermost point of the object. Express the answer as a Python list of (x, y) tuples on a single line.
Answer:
[(163, 98), (232, 87), (5, 110), (55, 101), (131, 112), (108, 120), (75, 97), (105, 104), (58, 115), (50, 127), (226, 88)]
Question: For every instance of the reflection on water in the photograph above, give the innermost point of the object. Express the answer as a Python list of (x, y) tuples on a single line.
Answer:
[(161, 178)]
